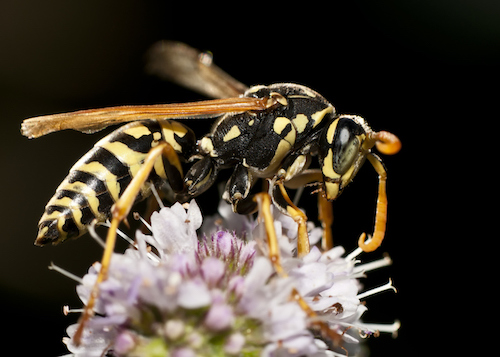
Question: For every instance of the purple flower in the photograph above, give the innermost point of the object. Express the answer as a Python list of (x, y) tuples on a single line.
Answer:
[(218, 294)]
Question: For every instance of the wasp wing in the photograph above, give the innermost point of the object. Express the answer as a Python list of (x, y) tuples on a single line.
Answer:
[(92, 120), (193, 69)]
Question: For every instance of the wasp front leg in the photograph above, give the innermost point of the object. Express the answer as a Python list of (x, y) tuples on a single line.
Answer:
[(381, 214), (120, 211), (325, 215), (237, 191)]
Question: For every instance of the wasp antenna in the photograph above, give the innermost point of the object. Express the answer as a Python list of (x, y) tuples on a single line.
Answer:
[(387, 143)]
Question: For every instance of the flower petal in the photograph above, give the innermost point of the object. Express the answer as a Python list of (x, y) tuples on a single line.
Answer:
[(219, 317), (193, 295)]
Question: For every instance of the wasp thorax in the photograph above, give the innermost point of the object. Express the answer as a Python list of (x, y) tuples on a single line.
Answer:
[(341, 152)]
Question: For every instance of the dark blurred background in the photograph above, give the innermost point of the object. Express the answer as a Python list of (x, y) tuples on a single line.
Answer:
[(420, 69)]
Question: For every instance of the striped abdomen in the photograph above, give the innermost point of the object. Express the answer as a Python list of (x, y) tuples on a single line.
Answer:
[(99, 178)]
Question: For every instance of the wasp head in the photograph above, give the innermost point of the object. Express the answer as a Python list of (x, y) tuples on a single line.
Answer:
[(343, 146), (342, 150)]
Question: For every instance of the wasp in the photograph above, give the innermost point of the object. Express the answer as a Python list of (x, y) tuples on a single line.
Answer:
[(269, 132)]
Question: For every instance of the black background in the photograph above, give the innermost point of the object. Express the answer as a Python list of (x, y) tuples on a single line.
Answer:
[(420, 69)]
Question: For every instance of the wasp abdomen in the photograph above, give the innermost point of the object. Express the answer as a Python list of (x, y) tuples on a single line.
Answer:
[(99, 178)]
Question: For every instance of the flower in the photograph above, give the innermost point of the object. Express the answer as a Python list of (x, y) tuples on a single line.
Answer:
[(177, 294)]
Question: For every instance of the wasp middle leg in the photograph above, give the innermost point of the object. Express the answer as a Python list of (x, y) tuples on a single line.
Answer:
[(264, 202)]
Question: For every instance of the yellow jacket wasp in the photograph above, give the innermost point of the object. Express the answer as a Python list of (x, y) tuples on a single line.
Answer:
[(269, 132)]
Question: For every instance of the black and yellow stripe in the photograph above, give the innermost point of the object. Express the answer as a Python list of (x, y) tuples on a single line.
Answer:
[(99, 178)]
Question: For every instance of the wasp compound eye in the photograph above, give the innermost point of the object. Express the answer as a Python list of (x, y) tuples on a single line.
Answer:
[(345, 144)]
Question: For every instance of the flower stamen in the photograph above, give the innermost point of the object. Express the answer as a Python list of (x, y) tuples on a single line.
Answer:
[(66, 273), (67, 310), (374, 291), (385, 261), (138, 217), (387, 328)]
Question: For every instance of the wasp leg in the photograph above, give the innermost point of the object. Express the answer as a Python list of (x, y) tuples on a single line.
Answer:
[(285, 205), (381, 214), (325, 215), (119, 212), (264, 203), (237, 191), (200, 176), (325, 207)]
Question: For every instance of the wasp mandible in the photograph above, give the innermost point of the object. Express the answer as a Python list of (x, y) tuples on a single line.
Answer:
[(267, 132)]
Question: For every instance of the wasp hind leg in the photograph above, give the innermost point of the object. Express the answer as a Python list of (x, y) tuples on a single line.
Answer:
[(120, 211)]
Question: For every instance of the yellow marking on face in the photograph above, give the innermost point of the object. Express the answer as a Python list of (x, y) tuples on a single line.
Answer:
[(137, 131), (346, 177), (327, 167), (102, 173), (300, 122), (318, 116), (332, 190), (331, 131), (234, 132)]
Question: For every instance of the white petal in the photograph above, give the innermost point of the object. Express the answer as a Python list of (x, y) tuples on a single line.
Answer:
[(194, 215), (312, 278), (313, 256), (193, 295)]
